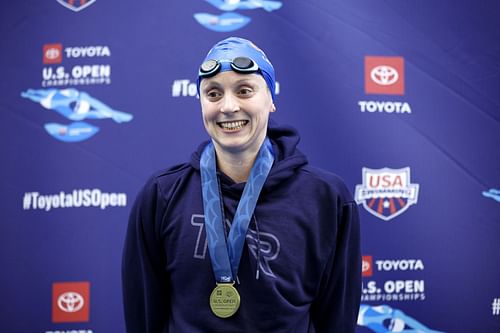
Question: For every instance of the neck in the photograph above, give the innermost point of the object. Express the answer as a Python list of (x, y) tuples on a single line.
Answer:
[(236, 165)]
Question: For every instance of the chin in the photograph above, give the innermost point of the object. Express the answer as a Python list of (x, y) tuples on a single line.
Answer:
[(232, 146)]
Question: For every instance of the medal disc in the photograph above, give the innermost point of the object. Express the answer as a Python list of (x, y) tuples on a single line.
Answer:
[(224, 300)]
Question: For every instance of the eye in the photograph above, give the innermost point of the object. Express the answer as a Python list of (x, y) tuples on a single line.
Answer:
[(213, 94), (245, 91)]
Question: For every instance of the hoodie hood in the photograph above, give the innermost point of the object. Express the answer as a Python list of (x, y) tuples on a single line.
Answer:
[(288, 158)]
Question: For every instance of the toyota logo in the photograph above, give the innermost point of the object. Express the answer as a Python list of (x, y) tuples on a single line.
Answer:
[(365, 266), (384, 75), (70, 302), (52, 53)]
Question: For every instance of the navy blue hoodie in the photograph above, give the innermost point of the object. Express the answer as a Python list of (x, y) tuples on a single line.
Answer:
[(300, 268)]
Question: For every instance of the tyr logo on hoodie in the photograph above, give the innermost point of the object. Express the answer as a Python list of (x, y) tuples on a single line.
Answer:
[(264, 246)]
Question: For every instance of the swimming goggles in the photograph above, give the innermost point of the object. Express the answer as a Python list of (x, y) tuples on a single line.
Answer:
[(239, 64)]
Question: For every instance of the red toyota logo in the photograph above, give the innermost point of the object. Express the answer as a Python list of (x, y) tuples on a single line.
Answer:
[(70, 302), (384, 75), (52, 53)]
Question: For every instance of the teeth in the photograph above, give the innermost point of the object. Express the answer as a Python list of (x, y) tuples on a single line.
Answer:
[(233, 125)]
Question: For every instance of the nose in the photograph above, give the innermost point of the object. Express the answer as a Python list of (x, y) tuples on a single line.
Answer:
[(229, 104)]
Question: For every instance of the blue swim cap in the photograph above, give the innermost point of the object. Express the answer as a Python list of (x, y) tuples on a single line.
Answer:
[(228, 49)]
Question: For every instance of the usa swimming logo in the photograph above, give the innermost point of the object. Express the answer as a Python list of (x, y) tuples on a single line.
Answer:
[(386, 193), (76, 5)]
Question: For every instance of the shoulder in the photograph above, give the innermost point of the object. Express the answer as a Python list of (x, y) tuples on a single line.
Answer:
[(161, 183), (172, 174), (328, 182)]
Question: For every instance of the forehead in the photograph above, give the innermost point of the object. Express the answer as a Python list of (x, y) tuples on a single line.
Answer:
[(232, 78)]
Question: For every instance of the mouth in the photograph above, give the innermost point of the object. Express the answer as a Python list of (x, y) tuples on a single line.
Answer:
[(232, 125)]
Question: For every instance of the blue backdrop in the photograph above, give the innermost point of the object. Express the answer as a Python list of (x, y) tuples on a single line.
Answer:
[(400, 98)]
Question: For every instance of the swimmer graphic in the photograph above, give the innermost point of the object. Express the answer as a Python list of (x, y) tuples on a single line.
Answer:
[(230, 5), (75, 105), (493, 194), (233, 21), (222, 23), (73, 132), (384, 319)]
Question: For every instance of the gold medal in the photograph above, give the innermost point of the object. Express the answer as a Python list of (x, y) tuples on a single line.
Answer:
[(224, 300)]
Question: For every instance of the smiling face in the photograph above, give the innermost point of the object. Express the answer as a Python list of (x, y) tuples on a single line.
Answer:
[(235, 110)]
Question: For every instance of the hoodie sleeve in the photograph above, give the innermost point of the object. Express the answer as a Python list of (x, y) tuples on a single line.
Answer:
[(336, 308), (144, 281)]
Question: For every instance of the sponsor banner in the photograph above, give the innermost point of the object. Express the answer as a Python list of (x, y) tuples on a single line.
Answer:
[(75, 199), (222, 23), (186, 88), (76, 5), (380, 286), (70, 331), (64, 65), (495, 306), (74, 105), (384, 318), (367, 267), (70, 302), (230, 20), (492, 193), (386, 193), (384, 76), (387, 107), (52, 54)]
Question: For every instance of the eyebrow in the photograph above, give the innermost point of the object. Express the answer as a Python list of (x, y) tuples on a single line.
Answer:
[(215, 83), (244, 80)]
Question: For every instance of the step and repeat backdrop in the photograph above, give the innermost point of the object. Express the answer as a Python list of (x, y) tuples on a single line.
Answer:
[(401, 98)]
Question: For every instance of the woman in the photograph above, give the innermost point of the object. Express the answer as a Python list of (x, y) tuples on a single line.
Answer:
[(247, 236)]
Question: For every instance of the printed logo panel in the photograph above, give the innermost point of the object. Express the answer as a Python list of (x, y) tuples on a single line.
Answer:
[(386, 319), (76, 106), (230, 20), (222, 23), (52, 53), (77, 198), (70, 302), (384, 75), (367, 266), (73, 66), (75, 70), (390, 279), (264, 246), (495, 306), (492, 193), (386, 193), (76, 5)]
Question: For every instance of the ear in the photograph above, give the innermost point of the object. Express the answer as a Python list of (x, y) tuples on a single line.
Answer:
[(273, 107)]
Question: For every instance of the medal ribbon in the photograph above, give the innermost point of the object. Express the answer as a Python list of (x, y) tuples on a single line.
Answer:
[(226, 256)]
